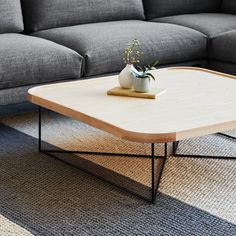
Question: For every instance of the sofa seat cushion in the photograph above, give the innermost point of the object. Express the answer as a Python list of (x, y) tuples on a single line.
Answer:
[(46, 14), (210, 24), (102, 44), (222, 47), (28, 60), (11, 19)]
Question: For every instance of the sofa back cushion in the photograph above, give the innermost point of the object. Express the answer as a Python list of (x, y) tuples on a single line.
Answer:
[(45, 14), (229, 6), (11, 20), (161, 8)]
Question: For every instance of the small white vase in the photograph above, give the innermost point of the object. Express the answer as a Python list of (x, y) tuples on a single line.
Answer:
[(142, 85), (127, 76)]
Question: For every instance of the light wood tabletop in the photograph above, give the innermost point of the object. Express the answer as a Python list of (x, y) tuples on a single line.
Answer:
[(196, 102)]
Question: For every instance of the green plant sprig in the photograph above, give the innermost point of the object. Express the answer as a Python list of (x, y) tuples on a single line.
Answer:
[(144, 72), (133, 53)]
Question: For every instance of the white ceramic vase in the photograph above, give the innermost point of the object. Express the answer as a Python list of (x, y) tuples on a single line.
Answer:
[(127, 76), (142, 85)]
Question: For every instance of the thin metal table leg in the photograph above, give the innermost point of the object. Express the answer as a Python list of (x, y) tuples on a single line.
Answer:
[(156, 186), (40, 129), (175, 147), (153, 172), (176, 144), (227, 136)]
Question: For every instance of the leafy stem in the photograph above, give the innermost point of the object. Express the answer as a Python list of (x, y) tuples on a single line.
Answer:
[(133, 53), (144, 72)]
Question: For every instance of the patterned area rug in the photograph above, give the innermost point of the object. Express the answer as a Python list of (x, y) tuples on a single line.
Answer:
[(43, 196)]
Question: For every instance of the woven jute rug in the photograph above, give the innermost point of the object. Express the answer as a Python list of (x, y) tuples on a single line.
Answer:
[(42, 196)]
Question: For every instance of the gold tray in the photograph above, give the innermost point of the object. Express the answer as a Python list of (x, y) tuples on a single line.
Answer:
[(152, 94)]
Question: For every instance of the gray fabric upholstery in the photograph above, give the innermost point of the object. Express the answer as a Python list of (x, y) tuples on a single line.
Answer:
[(223, 47), (11, 20), (225, 67), (29, 60), (229, 6), (210, 24), (161, 8), (45, 14), (102, 44)]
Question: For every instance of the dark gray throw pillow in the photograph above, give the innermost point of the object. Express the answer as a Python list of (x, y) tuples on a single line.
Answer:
[(46, 14), (229, 6), (160, 8), (11, 20)]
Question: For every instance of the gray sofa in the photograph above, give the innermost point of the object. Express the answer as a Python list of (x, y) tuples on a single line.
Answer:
[(44, 41)]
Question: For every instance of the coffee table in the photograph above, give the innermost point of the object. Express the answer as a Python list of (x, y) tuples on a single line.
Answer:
[(197, 102)]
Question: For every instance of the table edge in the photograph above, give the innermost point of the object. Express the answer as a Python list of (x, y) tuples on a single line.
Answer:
[(127, 134)]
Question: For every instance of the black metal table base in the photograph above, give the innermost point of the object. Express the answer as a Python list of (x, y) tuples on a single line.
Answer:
[(176, 146), (156, 173)]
